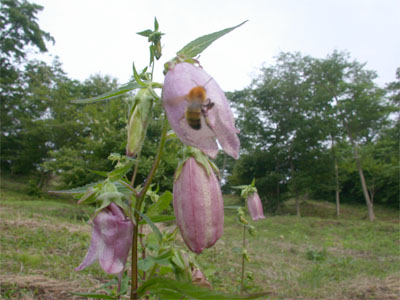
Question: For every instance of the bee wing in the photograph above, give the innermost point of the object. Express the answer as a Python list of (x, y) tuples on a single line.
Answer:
[(175, 101)]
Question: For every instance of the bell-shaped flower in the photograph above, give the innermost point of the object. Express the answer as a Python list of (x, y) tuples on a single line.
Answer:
[(214, 112), (255, 207), (111, 240), (198, 205), (198, 278)]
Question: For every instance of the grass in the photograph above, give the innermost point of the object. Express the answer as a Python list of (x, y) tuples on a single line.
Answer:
[(317, 256)]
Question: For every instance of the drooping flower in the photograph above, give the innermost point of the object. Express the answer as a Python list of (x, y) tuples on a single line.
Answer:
[(198, 206), (178, 83), (198, 278), (255, 207), (111, 240)]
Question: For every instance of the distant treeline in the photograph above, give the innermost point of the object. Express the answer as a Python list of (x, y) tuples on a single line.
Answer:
[(319, 128)]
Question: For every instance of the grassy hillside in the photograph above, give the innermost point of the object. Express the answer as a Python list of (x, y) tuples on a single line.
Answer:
[(314, 257)]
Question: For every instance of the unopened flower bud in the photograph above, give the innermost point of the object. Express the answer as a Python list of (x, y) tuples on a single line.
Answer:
[(198, 206), (139, 121)]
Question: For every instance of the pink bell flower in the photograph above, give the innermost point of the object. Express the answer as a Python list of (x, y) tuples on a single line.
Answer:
[(198, 278), (111, 240), (255, 207), (178, 83), (198, 206)]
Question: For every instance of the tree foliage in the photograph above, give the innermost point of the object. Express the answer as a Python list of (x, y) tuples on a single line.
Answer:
[(302, 117)]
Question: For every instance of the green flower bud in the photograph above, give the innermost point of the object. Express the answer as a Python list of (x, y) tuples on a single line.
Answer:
[(139, 121)]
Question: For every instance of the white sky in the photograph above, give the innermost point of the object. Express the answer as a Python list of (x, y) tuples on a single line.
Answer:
[(99, 36)]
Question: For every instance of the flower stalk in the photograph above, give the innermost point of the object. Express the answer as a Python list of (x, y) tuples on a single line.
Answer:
[(138, 205), (243, 258)]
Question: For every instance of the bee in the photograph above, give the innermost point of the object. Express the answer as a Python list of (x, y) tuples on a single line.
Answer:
[(198, 104)]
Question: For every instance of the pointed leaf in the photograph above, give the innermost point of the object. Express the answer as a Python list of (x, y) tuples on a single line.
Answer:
[(197, 46), (79, 190), (167, 288), (137, 77), (159, 219), (120, 172), (152, 225), (94, 296), (88, 197), (162, 204), (145, 33), (155, 24), (101, 173), (127, 87), (145, 264)]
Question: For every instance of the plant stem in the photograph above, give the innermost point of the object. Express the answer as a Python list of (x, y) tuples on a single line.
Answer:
[(243, 248), (135, 170), (139, 201)]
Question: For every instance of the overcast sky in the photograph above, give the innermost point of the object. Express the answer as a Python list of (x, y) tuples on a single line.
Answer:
[(98, 36)]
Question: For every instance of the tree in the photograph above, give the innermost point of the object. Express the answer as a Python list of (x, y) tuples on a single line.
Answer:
[(19, 33), (279, 114), (357, 102), (306, 111)]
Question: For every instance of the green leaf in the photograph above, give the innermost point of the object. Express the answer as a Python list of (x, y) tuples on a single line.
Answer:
[(152, 225), (95, 296), (88, 197), (101, 173), (120, 172), (79, 190), (159, 206), (162, 259), (202, 160), (197, 46), (145, 33), (127, 87), (136, 75), (253, 183), (178, 260), (159, 218), (167, 288), (178, 170), (156, 26), (145, 264), (235, 207), (239, 187)]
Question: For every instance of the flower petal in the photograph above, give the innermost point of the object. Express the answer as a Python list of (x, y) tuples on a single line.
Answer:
[(255, 207), (96, 244), (111, 240), (117, 233)]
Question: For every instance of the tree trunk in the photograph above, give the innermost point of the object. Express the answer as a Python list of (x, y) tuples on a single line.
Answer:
[(278, 206), (362, 178), (337, 187), (298, 213)]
